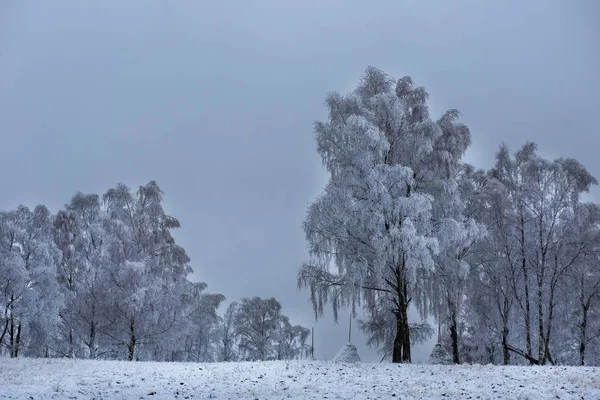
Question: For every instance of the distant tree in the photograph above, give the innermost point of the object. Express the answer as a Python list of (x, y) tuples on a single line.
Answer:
[(147, 270), (196, 333), (226, 334), (14, 282), (290, 340), (41, 257), (261, 332), (79, 235), (256, 323), (30, 297)]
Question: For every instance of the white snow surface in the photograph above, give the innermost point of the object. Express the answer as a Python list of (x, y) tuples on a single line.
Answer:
[(347, 354), (81, 379)]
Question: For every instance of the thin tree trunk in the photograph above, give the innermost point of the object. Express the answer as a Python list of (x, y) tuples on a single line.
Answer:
[(18, 340), (540, 287), (528, 345), (505, 351), (71, 346), (4, 330), (132, 339), (92, 343), (540, 322), (454, 333), (505, 331), (526, 286), (523, 354), (406, 339), (547, 356), (583, 332), (11, 337)]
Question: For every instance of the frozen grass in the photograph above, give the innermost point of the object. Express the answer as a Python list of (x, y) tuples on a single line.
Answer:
[(81, 379)]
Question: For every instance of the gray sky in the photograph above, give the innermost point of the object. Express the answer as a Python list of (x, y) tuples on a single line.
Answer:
[(216, 102)]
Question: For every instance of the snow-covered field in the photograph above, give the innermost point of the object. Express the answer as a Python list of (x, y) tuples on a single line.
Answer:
[(79, 379)]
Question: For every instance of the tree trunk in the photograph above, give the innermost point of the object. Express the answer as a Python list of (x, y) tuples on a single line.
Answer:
[(505, 351), (505, 331), (71, 351), (540, 291), (4, 330), (18, 340), (398, 340), (406, 358), (540, 322), (401, 350), (132, 339), (454, 333), (583, 333), (11, 335), (547, 356), (528, 345), (523, 354), (526, 283), (92, 343)]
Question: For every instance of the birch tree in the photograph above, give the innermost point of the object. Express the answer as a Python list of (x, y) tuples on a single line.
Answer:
[(146, 266), (256, 323), (30, 297), (370, 233)]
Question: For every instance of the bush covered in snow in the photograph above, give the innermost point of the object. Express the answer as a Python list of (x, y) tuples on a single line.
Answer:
[(439, 355), (347, 354)]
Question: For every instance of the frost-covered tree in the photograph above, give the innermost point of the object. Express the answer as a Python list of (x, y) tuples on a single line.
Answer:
[(195, 337), (256, 323), (290, 340), (13, 281), (79, 235), (146, 268), (372, 233), (40, 257), (496, 284), (577, 290), (522, 274), (543, 198), (260, 331), (227, 335), (457, 204), (586, 280), (30, 296), (102, 279)]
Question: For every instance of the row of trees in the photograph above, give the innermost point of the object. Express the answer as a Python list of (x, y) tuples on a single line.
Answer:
[(104, 278), (534, 284), (506, 260)]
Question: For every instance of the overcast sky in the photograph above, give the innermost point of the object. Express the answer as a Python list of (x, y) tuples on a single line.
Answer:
[(216, 102)]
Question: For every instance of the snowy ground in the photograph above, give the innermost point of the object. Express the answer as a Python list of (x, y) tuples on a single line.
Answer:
[(77, 379)]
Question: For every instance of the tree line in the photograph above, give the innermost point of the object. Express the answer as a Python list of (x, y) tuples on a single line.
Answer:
[(505, 260), (104, 278)]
